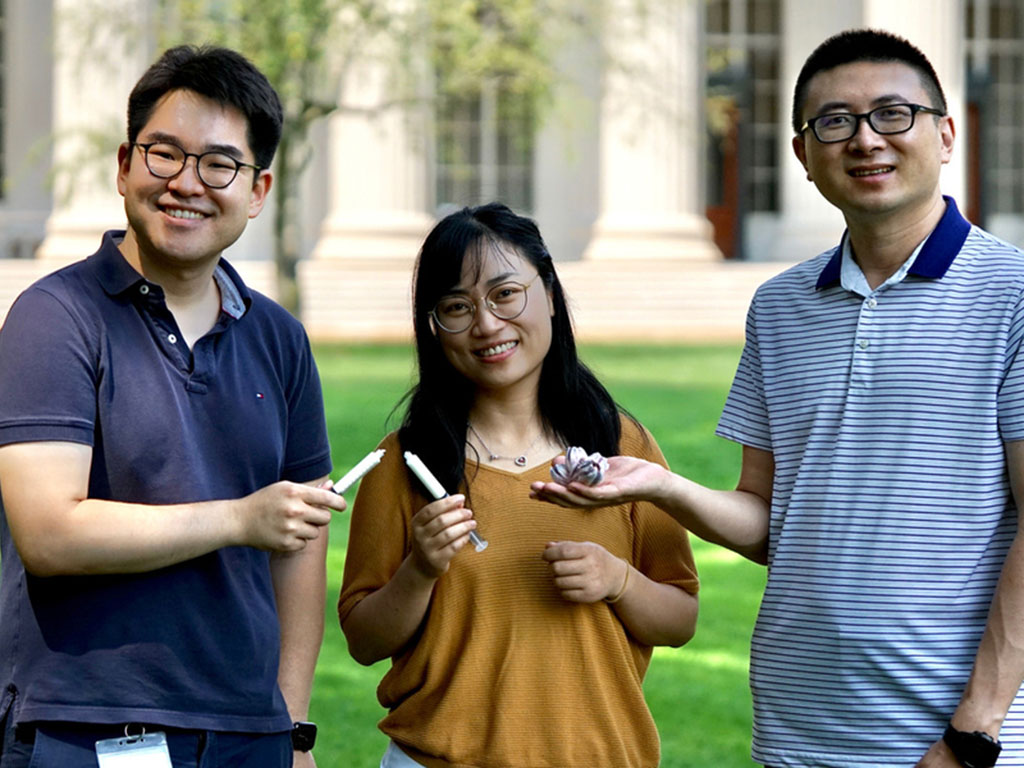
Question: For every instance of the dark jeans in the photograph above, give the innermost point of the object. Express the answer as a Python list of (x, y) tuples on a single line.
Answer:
[(73, 745)]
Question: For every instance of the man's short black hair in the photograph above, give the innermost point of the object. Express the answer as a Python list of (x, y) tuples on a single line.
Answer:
[(222, 75), (865, 45)]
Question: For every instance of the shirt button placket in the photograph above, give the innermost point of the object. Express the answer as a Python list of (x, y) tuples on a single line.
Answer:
[(865, 320)]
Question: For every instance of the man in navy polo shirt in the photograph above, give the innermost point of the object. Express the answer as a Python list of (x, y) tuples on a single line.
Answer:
[(880, 404), (163, 457)]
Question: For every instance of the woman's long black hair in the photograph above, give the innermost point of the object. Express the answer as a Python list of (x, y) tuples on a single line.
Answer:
[(574, 406)]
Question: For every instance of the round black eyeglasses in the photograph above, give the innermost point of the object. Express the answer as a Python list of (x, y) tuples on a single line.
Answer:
[(887, 120), (216, 170)]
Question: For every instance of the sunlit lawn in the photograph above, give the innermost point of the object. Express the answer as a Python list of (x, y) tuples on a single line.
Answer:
[(698, 693)]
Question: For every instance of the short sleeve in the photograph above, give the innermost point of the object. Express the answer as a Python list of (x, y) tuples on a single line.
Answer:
[(661, 546), (744, 418), (379, 538), (49, 369), (1011, 391), (307, 450)]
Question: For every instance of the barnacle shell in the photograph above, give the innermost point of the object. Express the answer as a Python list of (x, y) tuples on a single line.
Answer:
[(580, 468)]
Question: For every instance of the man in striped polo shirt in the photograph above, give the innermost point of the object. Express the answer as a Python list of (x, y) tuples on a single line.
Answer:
[(880, 404)]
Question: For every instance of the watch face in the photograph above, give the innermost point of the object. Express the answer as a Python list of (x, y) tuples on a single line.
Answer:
[(303, 736)]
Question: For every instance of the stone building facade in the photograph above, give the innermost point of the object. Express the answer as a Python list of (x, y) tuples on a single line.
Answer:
[(665, 198)]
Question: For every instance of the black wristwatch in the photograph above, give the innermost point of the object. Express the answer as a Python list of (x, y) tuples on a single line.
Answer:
[(975, 749), (303, 736)]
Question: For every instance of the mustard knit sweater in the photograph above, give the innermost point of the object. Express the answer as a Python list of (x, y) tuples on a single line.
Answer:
[(504, 672)]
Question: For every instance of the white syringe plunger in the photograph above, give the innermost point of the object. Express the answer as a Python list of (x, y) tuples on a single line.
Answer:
[(350, 478), (435, 489)]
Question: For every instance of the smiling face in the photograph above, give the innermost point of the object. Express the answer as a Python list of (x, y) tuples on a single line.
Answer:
[(872, 175), (500, 355), (179, 223)]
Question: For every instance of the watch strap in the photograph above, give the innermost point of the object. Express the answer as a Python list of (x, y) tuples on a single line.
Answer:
[(303, 736)]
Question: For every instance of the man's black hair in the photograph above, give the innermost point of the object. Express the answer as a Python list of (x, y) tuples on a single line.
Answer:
[(222, 75), (865, 45)]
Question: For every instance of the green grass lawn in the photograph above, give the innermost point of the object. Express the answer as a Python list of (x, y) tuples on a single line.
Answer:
[(698, 693)]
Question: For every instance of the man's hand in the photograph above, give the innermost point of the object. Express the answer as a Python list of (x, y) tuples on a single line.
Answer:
[(59, 531), (585, 572), (439, 531), (303, 760), (627, 479), (939, 756), (284, 516), (734, 519)]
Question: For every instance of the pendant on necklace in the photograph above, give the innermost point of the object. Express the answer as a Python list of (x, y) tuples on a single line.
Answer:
[(520, 461)]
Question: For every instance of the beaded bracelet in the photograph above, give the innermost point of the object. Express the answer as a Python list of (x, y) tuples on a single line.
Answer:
[(625, 583)]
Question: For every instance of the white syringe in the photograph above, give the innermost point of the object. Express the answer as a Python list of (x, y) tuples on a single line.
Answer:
[(371, 460), (435, 489)]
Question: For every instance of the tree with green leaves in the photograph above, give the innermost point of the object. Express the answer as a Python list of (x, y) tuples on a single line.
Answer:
[(432, 49)]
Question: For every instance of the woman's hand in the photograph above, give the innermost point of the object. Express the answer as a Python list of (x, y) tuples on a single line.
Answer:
[(586, 572), (386, 620), (439, 531), (627, 479)]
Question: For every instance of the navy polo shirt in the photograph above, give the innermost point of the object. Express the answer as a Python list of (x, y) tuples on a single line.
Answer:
[(91, 354)]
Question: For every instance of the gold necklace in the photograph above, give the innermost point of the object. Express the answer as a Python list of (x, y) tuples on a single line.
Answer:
[(519, 461)]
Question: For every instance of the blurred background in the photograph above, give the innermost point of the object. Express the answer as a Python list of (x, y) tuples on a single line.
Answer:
[(649, 138)]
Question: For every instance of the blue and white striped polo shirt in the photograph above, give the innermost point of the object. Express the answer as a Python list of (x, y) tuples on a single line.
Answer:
[(886, 412)]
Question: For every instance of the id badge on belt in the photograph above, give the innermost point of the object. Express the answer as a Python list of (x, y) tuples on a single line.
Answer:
[(146, 750)]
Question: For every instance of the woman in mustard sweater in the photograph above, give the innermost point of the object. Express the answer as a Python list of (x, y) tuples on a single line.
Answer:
[(532, 652)]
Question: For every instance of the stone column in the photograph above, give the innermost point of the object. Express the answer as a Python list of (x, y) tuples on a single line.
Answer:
[(356, 283), (90, 94), (378, 193), (28, 72), (651, 205), (566, 167)]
